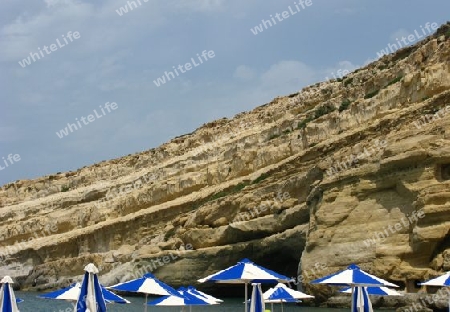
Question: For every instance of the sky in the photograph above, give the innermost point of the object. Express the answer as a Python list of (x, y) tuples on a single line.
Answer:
[(95, 66)]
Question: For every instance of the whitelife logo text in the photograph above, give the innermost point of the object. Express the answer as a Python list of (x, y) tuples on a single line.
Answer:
[(206, 55), (49, 49), (86, 120)]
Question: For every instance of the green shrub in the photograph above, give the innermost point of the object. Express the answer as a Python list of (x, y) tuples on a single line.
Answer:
[(348, 81), (339, 79), (402, 53), (344, 105), (260, 178), (273, 136), (395, 80), (65, 188), (371, 94), (323, 110), (302, 124), (239, 187), (287, 131)]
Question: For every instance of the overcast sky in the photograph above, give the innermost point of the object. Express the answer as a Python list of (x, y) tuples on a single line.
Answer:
[(108, 57)]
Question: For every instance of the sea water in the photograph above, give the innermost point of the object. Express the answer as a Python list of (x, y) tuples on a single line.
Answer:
[(33, 304)]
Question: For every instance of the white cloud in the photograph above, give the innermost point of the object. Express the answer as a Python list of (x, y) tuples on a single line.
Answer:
[(199, 5), (51, 3), (8, 134), (398, 34), (340, 70), (346, 11), (286, 75), (243, 72)]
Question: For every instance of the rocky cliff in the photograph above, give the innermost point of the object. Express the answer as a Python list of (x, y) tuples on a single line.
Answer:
[(350, 170)]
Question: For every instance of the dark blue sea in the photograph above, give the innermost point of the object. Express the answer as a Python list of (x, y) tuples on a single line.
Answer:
[(33, 304)]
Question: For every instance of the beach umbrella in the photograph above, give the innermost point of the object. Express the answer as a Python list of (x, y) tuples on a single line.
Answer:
[(375, 291), (8, 301), (353, 276), (245, 272), (257, 300), (111, 297), (199, 294), (91, 297), (281, 293), (443, 281), (360, 300), (148, 284), (72, 293), (183, 298), (195, 291)]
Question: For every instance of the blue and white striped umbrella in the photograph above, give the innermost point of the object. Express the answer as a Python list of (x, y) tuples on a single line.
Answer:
[(245, 272), (443, 280), (257, 300), (194, 291), (353, 276), (8, 301), (111, 297), (375, 291), (185, 299), (191, 291), (360, 300), (72, 293), (148, 284), (91, 297), (281, 293)]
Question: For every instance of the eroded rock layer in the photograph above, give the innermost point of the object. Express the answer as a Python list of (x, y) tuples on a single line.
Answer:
[(349, 170)]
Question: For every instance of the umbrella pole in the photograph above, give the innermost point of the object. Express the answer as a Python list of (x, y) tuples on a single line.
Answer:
[(246, 296), (353, 289), (282, 310), (271, 306), (145, 309)]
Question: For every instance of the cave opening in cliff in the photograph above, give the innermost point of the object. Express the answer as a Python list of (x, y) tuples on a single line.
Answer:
[(284, 263), (443, 172)]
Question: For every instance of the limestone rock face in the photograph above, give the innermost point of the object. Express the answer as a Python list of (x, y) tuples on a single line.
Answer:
[(351, 171)]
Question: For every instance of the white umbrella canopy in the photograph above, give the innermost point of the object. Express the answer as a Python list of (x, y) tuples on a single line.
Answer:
[(281, 293), (360, 300), (375, 291), (8, 301), (199, 294), (257, 300), (443, 281), (91, 295), (245, 272), (355, 277), (148, 285)]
